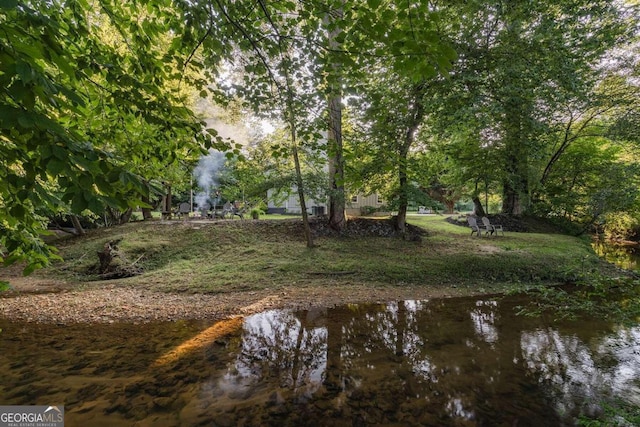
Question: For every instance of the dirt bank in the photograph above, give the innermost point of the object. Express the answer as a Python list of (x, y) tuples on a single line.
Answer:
[(118, 304)]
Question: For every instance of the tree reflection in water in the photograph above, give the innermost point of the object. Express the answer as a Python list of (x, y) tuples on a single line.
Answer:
[(279, 346), (624, 256), (442, 362), (452, 362)]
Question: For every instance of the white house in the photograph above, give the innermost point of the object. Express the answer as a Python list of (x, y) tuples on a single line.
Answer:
[(291, 204), (358, 203), (355, 205)]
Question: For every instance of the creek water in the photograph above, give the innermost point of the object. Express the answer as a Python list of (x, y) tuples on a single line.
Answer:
[(624, 256), (449, 362)]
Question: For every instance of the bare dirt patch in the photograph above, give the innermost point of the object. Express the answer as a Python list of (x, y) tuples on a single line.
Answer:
[(116, 304), (489, 249)]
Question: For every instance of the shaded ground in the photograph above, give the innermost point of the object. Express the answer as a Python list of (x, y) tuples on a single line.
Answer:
[(510, 223), (55, 299)]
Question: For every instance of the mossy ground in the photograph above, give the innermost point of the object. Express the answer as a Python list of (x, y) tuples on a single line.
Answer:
[(228, 256)]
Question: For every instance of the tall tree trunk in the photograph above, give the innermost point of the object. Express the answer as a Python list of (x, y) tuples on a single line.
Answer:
[(76, 224), (515, 186), (449, 206), (413, 123), (167, 202), (303, 205), (478, 210), (336, 165), (517, 128), (403, 181), (334, 134), (126, 216), (290, 114), (511, 200), (146, 212), (296, 158)]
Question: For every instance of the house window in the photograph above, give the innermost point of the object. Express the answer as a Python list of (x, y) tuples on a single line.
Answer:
[(380, 199), (354, 199)]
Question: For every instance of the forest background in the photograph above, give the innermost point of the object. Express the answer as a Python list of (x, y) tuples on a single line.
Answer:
[(526, 109)]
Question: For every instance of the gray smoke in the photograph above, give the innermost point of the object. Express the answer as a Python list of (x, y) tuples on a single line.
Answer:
[(206, 175)]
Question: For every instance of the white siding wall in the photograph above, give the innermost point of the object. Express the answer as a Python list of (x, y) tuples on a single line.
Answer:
[(292, 203), (370, 200)]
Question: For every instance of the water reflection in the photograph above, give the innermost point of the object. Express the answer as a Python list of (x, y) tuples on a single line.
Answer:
[(282, 346), (624, 256), (457, 362)]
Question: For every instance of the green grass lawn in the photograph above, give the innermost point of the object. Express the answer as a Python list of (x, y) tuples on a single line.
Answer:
[(234, 255)]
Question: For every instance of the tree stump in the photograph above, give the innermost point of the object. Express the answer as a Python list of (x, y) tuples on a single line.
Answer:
[(107, 254)]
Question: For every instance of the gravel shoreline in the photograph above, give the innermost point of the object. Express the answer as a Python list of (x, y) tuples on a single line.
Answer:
[(111, 305), (121, 304)]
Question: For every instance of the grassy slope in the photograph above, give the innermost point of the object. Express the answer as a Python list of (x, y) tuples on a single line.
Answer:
[(246, 255)]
